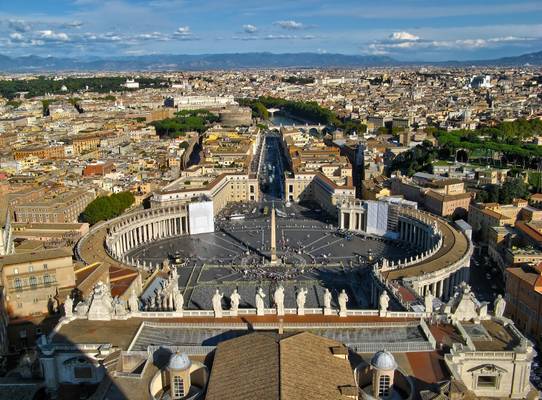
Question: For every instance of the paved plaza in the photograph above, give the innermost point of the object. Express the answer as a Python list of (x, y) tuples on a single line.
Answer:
[(314, 254)]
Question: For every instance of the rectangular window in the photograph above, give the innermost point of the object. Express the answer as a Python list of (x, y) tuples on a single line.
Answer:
[(487, 381), (82, 372), (178, 387)]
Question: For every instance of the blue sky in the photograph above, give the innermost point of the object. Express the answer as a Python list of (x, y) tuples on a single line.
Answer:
[(403, 29)]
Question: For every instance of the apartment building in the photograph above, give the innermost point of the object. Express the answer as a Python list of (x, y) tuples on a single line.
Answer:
[(524, 298), (33, 280), (54, 207)]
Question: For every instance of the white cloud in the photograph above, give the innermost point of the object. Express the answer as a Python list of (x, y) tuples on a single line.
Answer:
[(19, 25), (402, 41), (290, 25), (152, 36), (249, 28), (53, 36), (398, 36), (183, 31), (16, 37)]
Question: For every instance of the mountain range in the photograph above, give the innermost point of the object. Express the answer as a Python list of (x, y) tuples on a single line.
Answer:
[(231, 61)]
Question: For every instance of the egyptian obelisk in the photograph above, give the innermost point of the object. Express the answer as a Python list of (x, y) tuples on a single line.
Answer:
[(274, 259)]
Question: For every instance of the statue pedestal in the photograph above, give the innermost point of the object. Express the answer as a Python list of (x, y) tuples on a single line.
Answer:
[(342, 313), (300, 311), (327, 311)]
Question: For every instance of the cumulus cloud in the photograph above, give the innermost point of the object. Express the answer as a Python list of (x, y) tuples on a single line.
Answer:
[(19, 25), (152, 36), (403, 41), (183, 31), (400, 36), (249, 28), (16, 37), (290, 25), (50, 35)]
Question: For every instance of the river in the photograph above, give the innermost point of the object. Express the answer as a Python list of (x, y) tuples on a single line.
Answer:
[(286, 119)]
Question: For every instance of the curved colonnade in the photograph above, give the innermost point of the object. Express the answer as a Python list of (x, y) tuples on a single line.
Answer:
[(439, 269), (112, 240)]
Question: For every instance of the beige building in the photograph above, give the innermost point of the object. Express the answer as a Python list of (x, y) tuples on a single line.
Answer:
[(483, 216), (443, 197), (319, 188), (33, 280), (54, 207)]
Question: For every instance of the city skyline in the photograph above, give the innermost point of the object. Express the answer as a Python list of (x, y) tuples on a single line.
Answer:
[(407, 31)]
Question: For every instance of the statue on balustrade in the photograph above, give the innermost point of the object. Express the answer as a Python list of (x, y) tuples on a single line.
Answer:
[(499, 306), (300, 300), (217, 303), (68, 307), (179, 301), (343, 299), (384, 302), (279, 300), (260, 305), (235, 299), (327, 302)]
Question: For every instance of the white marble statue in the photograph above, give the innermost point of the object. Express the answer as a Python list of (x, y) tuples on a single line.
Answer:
[(300, 300), (428, 302), (133, 303), (499, 306), (101, 306), (278, 297), (327, 302), (384, 302), (217, 304), (68, 307), (178, 301), (235, 299), (343, 299), (260, 305)]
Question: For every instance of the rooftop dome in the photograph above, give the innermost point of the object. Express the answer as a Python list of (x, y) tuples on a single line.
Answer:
[(179, 362), (383, 360)]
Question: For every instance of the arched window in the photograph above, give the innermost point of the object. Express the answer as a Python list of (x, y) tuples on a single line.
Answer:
[(384, 386), (33, 282), (18, 284), (178, 388)]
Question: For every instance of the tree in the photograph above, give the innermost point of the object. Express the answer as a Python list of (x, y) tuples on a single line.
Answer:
[(106, 207), (512, 189)]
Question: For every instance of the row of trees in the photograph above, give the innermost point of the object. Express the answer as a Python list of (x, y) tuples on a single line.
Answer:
[(309, 110), (185, 121), (107, 207), (504, 194), (298, 80), (43, 85), (504, 142), (417, 159)]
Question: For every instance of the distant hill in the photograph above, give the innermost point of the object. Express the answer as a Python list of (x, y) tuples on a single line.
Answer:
[(168, 62), (165, 62)]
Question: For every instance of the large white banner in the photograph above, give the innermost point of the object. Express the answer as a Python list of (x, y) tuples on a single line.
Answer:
[(201, 217)]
